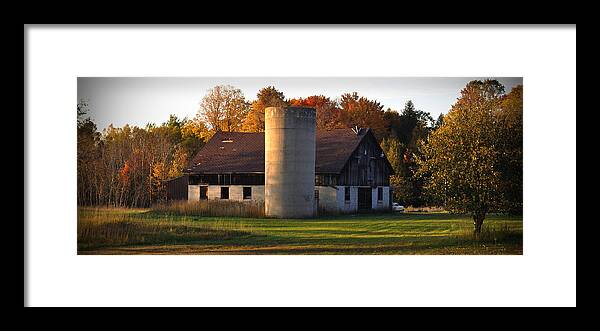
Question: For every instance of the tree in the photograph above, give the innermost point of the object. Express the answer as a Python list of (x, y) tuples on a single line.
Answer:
[(157, 177), (266, 97), (194, 134), (412, 125), (394, 151), (461, 159), (224, 108), (173, 127), (392, 123), (511, 142), (128, 166), (328, 111), (88, 146), (409, 127), (179, 160), (362, 112), (82, 110), (439, 122)]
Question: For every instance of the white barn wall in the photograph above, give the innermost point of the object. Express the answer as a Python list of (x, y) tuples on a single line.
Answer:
[(330, 198), (386, 197), (384, 203), (236, 192), (348, 207), (193, 192)]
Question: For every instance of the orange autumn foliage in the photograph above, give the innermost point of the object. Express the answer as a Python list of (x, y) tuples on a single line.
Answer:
[(124, 173)]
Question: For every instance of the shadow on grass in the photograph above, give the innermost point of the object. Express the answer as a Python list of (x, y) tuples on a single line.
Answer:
[(196, 241), (130, 232), (148, 232)]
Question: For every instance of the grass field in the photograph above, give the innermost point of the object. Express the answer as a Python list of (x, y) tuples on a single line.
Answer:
[(143, 231)]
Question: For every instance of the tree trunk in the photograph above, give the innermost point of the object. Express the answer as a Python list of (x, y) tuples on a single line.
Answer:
[(478, 222)]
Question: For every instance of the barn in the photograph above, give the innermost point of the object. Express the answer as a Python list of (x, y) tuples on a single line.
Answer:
[(351, 172)]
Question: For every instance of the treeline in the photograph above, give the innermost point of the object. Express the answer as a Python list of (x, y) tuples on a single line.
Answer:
[(128, 166), (225, 108)]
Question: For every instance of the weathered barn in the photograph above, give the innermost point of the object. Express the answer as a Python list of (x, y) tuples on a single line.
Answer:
[(351, 172)]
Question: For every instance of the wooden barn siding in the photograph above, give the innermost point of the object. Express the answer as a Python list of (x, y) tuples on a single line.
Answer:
[(366, 170), (177, 188)]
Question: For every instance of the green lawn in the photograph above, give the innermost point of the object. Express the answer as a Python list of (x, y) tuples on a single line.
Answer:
[(140, 231)]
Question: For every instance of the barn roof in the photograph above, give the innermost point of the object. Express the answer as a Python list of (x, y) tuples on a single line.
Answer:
[(231, 152), (335, 147), (244, 152)]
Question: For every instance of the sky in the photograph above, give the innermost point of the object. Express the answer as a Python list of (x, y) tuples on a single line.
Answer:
[(141, 100)]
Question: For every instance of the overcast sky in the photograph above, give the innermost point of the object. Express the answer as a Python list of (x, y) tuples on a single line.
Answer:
[(142, 100)]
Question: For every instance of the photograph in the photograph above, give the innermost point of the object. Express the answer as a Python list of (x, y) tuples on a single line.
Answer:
[(300, 165), (284, 165)]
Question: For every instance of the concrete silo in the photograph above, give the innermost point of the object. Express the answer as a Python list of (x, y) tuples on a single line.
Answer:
[(289, 162)]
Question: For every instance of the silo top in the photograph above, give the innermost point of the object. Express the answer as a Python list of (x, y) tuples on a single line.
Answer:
[(299, 112)]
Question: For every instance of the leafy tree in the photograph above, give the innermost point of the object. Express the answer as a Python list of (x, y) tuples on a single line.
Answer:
[(394, 151), (362, 112), (328, 111), (412, 125), (439, 122), (82, 110), (173, 127), (88, 148), (128, 166), (266, 97), (179, 160), (392, 123), (194, 134), (157, 177), (224, 108), (511, 142), (409, 127), (461, 159)]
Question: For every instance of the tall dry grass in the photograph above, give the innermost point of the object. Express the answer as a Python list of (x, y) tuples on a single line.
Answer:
[(491, 233), (102, 227), (216, 208), (423, 209)]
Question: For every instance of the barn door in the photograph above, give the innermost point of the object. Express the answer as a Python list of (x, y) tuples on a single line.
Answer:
[(364, 198), (203, 192)]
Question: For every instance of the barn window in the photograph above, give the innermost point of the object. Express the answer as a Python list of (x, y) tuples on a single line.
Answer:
[(224, 192), (194, 180), (203, 192), (319, 180), (247, 193), (347, 193), (380, 194)]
